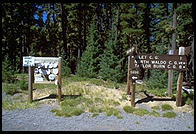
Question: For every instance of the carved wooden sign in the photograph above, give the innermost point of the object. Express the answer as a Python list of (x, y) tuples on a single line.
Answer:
[(163, 62)]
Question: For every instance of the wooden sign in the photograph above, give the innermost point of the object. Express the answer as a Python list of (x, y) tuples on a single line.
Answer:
[(135, 74), (43, 70), (163, 62), (138, 62)]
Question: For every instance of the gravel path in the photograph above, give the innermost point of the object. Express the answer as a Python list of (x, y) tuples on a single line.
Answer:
[(41, 119)]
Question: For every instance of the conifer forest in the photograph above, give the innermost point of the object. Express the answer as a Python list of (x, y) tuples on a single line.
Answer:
[(93, 38)]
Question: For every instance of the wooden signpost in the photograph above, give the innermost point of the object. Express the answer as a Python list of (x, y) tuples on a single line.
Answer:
[(43, 70), (140, 62)]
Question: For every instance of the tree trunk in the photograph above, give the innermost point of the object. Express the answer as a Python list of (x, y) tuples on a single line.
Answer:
[(80, 32), (170, 72), (64, 29), (147, 32), (174, 26), (84, 19)]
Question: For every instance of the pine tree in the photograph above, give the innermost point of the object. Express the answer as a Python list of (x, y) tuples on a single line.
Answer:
[(110, 64), (185, 24), (88, 65)]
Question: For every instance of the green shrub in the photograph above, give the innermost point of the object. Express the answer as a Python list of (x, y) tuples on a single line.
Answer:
[(111, 64), (159, 80), (23, 83), (88, 65), (128, 109), (188, 98), (8, 73), (66, 71), (166, 107), (10, 88), (169, 114)]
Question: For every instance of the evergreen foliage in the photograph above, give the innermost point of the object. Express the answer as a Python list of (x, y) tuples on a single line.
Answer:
[(88, 65), (50, 29), (7, 71), (110, 64)]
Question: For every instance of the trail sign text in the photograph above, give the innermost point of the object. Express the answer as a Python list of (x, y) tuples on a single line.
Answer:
[(163, 62)]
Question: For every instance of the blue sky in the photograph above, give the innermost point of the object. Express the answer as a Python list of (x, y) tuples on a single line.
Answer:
[(44, 16)]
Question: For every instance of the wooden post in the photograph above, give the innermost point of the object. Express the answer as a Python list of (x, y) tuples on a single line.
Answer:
[(179, 82), (133, 93), (128, 77), (170, 77), (30, 83), (59, 78)]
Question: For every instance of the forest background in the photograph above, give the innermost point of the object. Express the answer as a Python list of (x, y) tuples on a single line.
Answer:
[(92, 38)]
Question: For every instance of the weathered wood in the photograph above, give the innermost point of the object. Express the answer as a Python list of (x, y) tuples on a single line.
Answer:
[(193, 55), (179, 90), (133, 93), (170, 81), (162, 62), (128, 77), (30, 83), (179, 82), (59, 79)]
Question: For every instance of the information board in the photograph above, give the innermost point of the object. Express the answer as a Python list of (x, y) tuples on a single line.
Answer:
[(46, 70)]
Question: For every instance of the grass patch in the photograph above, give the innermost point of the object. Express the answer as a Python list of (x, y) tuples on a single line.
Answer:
[(137, 122), (158, 92), (9, 104), (124, 97), (165, 107), (155, 108), (169, 114), (68, 112), (95, 114), (155, 113), (116, 103), (71, 106), (74, 106), (44, 85), (141, 111), (128, 109), (112, 111)]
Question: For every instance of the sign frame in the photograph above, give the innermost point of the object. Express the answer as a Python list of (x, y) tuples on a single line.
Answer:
[(31, 67)]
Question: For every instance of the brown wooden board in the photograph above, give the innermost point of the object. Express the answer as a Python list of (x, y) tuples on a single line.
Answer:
[(162, 62), (135, 74)]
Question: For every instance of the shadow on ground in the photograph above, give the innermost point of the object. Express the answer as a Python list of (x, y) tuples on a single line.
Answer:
[(149, 98)]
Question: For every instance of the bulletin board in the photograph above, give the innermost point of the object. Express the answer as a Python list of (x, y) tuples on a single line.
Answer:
[(46, 70)]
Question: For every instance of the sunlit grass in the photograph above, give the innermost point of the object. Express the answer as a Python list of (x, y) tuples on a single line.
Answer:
[(9, 104), (169, 114), (165, 107)]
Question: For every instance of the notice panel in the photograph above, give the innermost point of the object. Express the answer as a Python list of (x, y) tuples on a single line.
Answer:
[(163, 62)]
